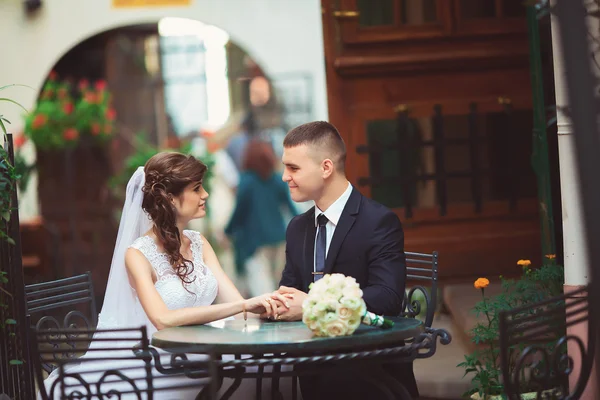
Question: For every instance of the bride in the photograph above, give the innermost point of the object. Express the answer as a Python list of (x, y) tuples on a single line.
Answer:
[(162, 275)]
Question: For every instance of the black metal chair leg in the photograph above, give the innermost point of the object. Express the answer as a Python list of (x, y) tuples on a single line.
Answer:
[(275, 382), (294, 387), (261, 370)]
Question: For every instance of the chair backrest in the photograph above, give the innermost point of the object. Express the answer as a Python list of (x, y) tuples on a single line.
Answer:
[(118, 362), (109, 355), (421, 267), (533, 347), (47, 302)]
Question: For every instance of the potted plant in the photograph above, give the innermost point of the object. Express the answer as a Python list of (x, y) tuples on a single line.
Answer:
[(71, 126), (535, 285), (66, 116)]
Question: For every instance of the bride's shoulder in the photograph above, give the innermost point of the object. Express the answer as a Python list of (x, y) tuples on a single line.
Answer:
[(141, 242), (195, 236)]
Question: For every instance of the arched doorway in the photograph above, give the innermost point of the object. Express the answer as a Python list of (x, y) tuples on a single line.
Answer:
[(169, 82)]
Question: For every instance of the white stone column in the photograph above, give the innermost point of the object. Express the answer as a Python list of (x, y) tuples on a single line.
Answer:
[(576, 261), (575, 251)]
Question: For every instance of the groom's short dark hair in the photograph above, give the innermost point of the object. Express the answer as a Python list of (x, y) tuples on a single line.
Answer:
[(320, 135)]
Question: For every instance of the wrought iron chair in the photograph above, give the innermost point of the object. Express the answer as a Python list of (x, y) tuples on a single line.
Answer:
[(533, 347), (421, 267), (50, 305), (60, 294), (122, 363)]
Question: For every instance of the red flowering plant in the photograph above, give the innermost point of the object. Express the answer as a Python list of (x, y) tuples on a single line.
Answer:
[(65, 115)]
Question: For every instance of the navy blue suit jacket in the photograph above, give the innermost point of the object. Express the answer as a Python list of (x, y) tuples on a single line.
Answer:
[(367, 244)]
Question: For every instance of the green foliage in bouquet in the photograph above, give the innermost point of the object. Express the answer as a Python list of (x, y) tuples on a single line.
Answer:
[(535, 285), (65, 115)]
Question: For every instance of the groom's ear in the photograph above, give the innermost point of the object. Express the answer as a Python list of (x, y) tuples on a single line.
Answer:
[(327, 166)]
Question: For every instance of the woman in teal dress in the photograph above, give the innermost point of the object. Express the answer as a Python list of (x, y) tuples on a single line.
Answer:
[(258, 223)]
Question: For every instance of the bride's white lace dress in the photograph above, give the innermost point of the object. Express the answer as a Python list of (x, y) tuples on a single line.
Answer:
[(204, 287), (202, 291)]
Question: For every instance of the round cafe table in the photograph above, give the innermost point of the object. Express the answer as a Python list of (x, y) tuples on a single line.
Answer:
[(256, 336), (273, 343)]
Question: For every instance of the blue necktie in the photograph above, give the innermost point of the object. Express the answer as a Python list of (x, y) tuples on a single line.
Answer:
[(321, 246)]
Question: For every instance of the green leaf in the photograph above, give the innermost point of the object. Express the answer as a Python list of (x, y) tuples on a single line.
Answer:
[(3, 127), (15, 85), (15, 362), (14, 102)]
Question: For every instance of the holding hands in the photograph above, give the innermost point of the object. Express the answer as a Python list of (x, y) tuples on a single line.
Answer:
[(267, 303), (290, 310)]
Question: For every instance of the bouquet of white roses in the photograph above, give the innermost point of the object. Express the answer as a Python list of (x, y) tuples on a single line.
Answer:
[(335, 307)]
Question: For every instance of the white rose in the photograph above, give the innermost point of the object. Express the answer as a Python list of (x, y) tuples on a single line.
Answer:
[(336, 328), (363, 308), (329, 318), (352, 292), (345, 313), (309, 303), (350, 282), (320, 307), (332, 304), (337, 280), (353, 324), (311, 321), (313, 325), (352, 303)]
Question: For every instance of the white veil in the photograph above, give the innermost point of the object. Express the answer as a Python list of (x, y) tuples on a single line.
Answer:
[(121, 308)]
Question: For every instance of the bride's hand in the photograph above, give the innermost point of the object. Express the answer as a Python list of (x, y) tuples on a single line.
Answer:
[(266, 303)]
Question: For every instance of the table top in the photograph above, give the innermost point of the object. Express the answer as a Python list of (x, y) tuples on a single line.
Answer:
[(257, 336)]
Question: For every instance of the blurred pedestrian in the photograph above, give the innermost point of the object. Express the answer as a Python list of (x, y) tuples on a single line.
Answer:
[(258, 223)]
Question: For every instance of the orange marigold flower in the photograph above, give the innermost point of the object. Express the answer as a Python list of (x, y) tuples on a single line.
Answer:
[(550, 256), (481, 283), (524, 263)]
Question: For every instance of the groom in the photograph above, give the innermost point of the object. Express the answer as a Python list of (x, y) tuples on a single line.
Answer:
[(344, 233)]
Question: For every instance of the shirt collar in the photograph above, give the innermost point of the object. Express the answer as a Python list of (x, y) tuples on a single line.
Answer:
[(334, 212)]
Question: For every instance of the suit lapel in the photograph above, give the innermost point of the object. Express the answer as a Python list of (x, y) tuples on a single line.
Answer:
[(343, 227), (309, 248)]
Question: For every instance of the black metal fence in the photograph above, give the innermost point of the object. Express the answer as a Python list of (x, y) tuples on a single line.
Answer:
[(15, 372)]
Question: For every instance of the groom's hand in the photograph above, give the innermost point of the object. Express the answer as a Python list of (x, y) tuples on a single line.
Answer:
[(294, 312)]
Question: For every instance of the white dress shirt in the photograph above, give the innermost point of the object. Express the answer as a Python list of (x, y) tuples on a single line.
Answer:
[(333, 214)]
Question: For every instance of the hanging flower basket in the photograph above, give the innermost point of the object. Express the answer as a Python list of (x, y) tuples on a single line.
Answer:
[(67, 116)]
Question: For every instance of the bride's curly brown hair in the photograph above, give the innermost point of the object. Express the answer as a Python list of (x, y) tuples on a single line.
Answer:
[(167, 175)]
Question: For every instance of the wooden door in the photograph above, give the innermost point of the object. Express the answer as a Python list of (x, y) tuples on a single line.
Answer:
[(435, 106)]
